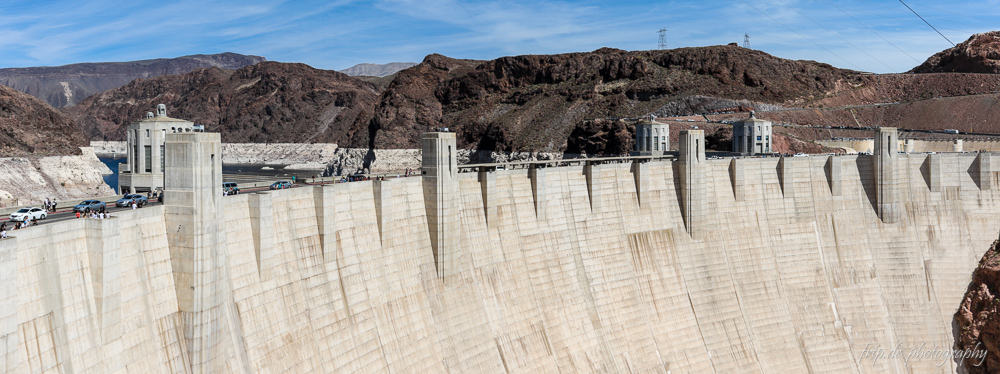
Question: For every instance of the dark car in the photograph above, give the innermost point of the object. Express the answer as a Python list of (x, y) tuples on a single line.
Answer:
[(280, 185), (127, 200), (89, 206)]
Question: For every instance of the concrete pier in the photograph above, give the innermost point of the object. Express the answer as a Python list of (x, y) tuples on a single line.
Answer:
[(886, 188), (690, 159), (440, 169)]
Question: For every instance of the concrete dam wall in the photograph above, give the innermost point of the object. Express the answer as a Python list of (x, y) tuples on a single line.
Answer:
[(751, 265)]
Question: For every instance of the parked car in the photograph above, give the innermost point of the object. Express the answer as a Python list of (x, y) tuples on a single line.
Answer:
[(89, 205), (280, 185), (127, 200), (28, 214), (231, 188)]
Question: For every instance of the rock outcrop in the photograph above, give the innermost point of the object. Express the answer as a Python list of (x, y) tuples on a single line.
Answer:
[(29, 180), (978, 318), (979, 54), (28, 126), (67, 85)]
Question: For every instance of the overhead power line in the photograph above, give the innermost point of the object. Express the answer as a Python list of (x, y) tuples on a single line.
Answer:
[(799, 34), (873, 31), (928, 23), (837, 35)]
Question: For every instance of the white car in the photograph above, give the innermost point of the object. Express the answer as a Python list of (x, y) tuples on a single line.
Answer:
[(28, 214)]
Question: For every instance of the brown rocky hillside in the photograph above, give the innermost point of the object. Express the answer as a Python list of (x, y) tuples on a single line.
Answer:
[(266, 102), (28, 126), (546, 103), (66, 85), (978, 317), (979, 54), (536, 102)]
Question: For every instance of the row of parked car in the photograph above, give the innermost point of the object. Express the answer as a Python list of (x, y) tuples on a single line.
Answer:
[(231, 188), (87, 206)]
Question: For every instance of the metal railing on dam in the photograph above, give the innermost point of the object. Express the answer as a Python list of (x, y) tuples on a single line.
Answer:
[(514, 165), (694, 265)]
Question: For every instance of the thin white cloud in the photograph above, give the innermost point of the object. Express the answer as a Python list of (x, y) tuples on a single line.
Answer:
[(339, 34)]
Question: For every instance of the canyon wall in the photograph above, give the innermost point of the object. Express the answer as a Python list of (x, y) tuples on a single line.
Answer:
[(568, 269), (30, 180)]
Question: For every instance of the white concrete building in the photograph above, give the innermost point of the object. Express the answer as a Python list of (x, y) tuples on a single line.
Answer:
[(651, 138), (752, 136), (143, 170)]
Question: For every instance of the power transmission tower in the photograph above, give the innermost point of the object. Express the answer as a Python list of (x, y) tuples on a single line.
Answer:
[(746, 40), (663, 39)]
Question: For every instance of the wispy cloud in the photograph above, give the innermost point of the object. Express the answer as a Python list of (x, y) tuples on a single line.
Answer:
[(862, 34)]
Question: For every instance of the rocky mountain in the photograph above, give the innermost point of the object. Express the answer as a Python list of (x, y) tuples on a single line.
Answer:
[(67, 85), (377, 70), (979, 54), (536, 102), (543, 103), (267, 102), (28, 126), (978, 317)]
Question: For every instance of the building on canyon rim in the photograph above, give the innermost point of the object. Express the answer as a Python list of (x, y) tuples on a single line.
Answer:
[(144, 167)]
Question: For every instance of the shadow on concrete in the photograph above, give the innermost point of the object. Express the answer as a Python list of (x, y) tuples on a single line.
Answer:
[(780, 170), (974, 173), (676, 166), (866, 167), (925, 171)]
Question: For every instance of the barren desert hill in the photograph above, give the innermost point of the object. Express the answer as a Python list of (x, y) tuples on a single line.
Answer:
[(29, 126), (376, 70), (63, 86), (531, 102), (266, 102), (979, 54)]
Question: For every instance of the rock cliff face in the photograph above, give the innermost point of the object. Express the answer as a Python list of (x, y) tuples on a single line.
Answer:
[(537, 102), (978, 317), (377, 70), (267, 102), (979, 54), (29, 180), (67, 85), (29, 126)]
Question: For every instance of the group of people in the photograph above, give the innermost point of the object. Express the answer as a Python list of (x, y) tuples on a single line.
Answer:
[(17, 226), (98, 214), (49, 205)]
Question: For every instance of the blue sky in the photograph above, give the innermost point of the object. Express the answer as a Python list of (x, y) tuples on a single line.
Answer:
[(879, 36)]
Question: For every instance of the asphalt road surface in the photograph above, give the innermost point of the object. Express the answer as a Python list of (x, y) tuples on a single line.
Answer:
[(63, 214), (66, 213)]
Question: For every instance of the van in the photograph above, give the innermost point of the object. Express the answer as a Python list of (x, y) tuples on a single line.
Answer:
[(231, 188)]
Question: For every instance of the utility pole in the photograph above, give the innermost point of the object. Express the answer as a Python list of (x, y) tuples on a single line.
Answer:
[(746, 40), (663, 39)]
